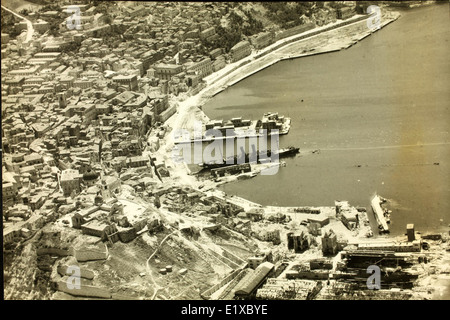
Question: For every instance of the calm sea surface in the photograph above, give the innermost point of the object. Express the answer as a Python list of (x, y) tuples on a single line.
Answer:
[(379, 112)]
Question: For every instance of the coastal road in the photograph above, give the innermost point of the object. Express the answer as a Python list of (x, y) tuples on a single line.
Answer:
[(291, 47), (30, 29)]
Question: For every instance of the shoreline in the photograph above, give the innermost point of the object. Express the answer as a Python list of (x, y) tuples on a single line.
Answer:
[(329, 38), (276, 55), (190, 108)]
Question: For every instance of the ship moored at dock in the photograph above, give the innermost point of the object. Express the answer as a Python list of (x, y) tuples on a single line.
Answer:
[(236, 128), (260, 157), (380, 214)]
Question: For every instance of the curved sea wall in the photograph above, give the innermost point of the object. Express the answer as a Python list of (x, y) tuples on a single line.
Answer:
[(282, 43)]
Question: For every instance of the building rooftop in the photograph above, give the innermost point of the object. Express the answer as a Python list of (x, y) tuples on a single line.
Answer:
[(249, 283)]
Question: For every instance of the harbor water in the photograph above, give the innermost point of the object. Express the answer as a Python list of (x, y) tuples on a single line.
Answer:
[(378, 113)]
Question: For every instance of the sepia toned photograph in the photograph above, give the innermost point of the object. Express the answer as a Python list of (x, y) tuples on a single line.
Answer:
[(244, 152)]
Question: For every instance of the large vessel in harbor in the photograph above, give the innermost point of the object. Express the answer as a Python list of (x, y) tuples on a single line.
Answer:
[(259, 157)]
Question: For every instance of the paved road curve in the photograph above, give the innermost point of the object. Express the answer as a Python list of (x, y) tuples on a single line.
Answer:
[(30, 29)]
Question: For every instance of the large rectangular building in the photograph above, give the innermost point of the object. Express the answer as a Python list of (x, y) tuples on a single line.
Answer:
[(240, 50), (246, 288), (202, 68), (263, 39), (129, 81), (166, 71), (70, 181)]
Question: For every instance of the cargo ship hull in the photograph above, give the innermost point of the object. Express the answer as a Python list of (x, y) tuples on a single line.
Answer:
[(261, 158)]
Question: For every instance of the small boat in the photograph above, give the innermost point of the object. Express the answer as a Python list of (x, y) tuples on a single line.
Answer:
[(288, 151), (247, 175)]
